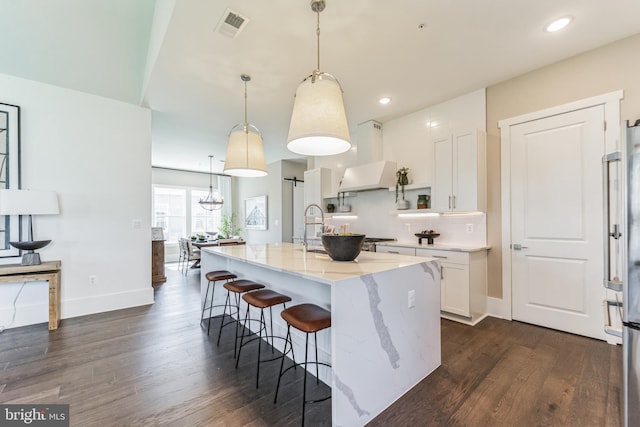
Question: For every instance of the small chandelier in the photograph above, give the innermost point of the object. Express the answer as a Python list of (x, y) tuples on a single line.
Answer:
[(210, 203), (245, 153), (318, 122)]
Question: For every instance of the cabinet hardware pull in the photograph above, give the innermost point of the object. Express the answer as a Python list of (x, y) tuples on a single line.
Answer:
[(440, 256), (454, 202)]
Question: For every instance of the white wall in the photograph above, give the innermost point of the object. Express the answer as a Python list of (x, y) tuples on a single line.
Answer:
[(96, 154), (279, 201), (408, 140)]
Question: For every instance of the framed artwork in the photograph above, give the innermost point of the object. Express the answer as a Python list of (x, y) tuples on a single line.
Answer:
[(255, 213), (10, 225)]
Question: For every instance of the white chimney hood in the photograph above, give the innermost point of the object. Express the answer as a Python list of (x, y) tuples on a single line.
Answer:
[(370, 176), (371, 172)]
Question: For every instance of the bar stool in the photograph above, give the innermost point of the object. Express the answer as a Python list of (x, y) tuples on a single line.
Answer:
[(264, 298), (237, 287), (213, 277), (307, 318)]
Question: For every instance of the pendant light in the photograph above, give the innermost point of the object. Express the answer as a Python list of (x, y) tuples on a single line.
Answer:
[(318, 122), (245, 153), (210, 203)]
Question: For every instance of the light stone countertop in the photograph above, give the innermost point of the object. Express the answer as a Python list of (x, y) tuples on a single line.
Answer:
[(290, 258), (438, 246)]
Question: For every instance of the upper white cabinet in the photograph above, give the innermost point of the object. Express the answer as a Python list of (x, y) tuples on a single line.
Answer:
[(317, 186), (460, 173)]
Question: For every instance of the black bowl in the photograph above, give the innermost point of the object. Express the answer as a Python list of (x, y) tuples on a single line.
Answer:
[(30, 246), (344, 247)]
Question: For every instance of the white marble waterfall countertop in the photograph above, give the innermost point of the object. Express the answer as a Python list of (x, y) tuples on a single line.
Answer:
[(290, 258)]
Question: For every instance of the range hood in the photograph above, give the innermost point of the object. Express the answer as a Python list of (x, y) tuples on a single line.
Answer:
[(371, 172), (370, 176)]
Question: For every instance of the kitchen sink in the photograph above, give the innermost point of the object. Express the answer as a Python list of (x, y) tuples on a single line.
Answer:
[(316, 251)]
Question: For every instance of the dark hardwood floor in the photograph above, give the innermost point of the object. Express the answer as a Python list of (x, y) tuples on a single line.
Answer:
[(155, 365)]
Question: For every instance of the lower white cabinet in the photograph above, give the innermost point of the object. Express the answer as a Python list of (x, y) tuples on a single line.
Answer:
[(463, 283)]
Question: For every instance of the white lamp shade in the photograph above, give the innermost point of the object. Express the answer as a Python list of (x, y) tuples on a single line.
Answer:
[(318, 123), (245, 153), (28, 202)]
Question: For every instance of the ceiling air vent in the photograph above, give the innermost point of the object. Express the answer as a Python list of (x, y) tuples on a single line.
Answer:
[(231, 23)]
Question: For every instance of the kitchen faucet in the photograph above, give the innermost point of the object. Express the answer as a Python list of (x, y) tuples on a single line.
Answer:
[(304, 242)]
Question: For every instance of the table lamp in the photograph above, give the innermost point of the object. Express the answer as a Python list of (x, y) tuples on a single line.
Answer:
[(29, 202)]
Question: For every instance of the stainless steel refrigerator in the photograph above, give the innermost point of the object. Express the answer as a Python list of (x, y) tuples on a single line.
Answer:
[(623, 251), (631, 280)]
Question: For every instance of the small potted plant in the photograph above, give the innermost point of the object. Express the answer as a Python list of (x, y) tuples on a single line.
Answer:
[(402, 180)]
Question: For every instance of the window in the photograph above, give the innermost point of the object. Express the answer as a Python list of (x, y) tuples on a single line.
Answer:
[(172, 206), (202, 220)]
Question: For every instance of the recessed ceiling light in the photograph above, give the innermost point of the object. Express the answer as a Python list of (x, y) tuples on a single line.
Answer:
[(384, 101), (558, 24)]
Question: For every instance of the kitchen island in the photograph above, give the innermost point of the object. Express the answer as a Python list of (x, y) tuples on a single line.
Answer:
[(385, 317)]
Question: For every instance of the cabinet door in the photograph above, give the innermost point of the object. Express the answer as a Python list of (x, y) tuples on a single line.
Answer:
[(454, 289), (465, 172), (441, 191), (312, 188), (469, 172)]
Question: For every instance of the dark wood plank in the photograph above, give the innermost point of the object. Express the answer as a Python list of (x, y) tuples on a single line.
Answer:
[(156, 366)]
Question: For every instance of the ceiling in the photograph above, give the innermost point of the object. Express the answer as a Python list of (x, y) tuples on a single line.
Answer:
[(167, 55)]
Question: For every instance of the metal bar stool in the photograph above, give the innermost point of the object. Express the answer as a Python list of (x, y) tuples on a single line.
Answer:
[(307, 318), (237, 287), (264, 298), (212, 278)]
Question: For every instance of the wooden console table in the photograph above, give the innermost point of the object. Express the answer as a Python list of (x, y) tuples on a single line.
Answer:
[(49, 271)]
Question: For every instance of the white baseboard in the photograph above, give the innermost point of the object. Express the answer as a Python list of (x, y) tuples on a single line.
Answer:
[(33, 314), (497, 307), (106, 302)]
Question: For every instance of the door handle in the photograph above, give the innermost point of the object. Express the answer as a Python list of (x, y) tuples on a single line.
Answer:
[(517, 247), (609, 283)]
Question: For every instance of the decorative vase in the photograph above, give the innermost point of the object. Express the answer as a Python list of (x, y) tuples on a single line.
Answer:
[(402, 205), (423, 201)]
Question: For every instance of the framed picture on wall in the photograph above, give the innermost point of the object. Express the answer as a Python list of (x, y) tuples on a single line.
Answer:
[(10, 225), (255, 213)]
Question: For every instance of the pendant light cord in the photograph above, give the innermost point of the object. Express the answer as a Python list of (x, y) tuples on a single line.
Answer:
[(210, 176), (246, 127), (318, 38)]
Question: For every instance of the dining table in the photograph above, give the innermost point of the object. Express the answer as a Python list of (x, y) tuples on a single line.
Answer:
[(214, 242)]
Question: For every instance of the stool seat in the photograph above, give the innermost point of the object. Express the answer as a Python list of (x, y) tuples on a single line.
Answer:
[(242, 286), (214, 276), (265, 298), (307, 317)]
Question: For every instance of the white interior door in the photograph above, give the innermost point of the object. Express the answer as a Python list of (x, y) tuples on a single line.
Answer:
[(557, 220)]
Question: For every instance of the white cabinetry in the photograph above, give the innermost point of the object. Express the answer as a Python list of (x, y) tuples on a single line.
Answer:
[(463, 283), (317, 186), (460, 175)]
